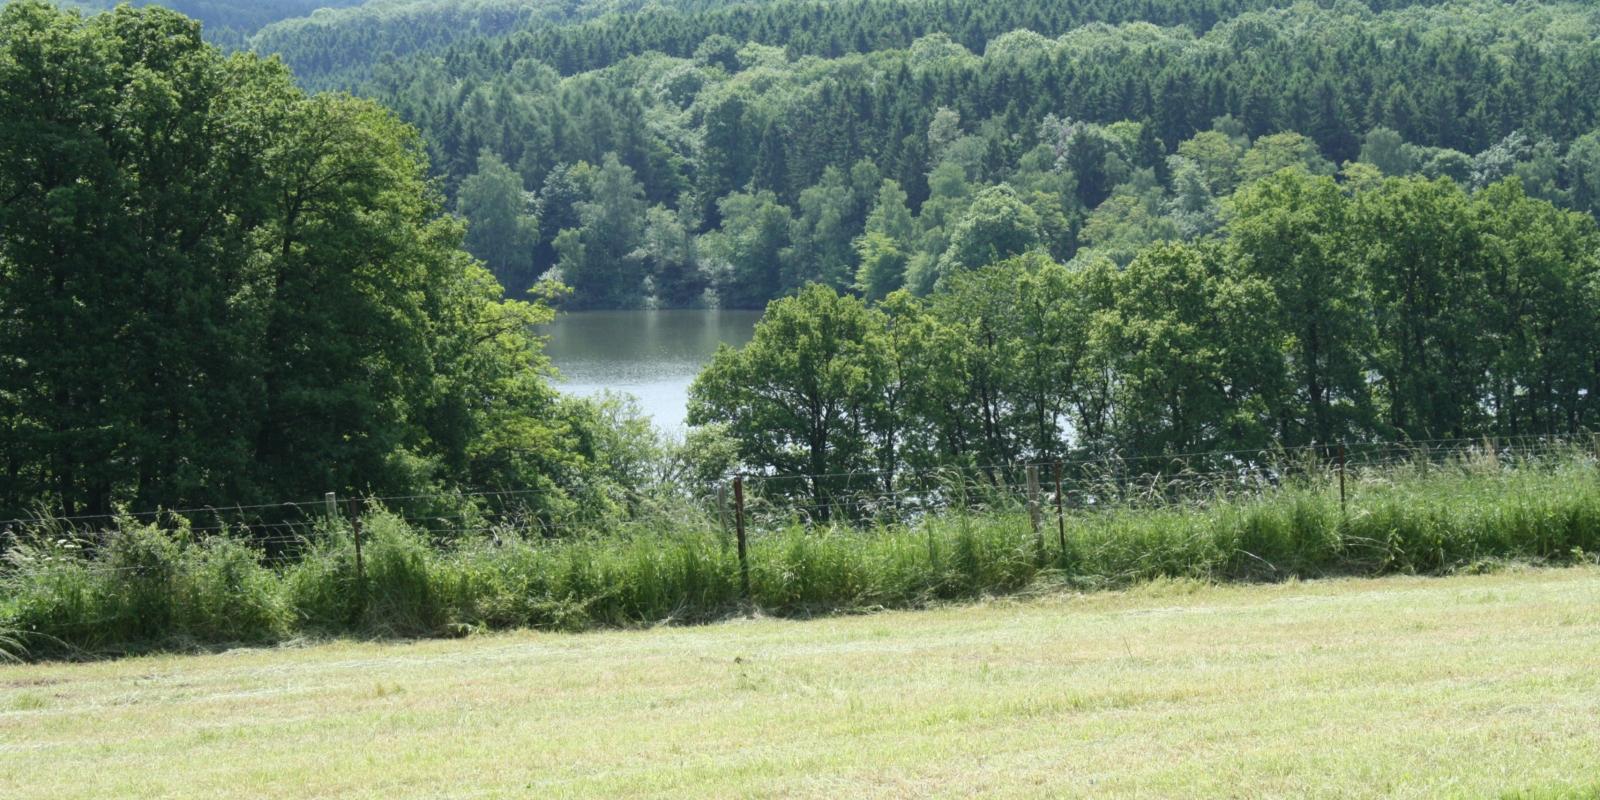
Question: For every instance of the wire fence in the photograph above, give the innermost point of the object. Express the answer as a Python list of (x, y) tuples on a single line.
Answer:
[(901, 495)]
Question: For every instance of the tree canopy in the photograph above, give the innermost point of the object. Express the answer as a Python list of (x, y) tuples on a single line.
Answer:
[(1407, 310), (213, 285), (1117, 124), (984, 232)]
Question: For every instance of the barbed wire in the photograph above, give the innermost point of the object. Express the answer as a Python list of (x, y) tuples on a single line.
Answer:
[(1267, 465)]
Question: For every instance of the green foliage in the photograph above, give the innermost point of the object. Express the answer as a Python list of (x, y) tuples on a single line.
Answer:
[(1426, 277), (321, 588), (1295, 233), (771, 109), (398, 596), (218, 286), (705, 102), (500, 231), (997, 226), (883, 266), (230, 597), (791, 396), (1217, 155), (1280, 151), (749, 249), (1196, 359), (1400, 308), (599, 260), (341, 44), (1135, 217), (146, 588), (227, 22), (1017, 335), (674, 254)]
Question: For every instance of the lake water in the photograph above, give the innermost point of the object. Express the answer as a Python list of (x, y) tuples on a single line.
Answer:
[(652, 355)]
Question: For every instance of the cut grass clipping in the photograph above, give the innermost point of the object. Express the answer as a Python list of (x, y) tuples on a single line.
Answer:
[(1472, 686), (145, 588)]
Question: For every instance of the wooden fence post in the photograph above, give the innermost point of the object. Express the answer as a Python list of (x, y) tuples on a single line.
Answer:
[(1033, 508), (744, 550), (330, 502), (1341, 477), (361, 569), (1061, 512), (722, 514), (355, 529)]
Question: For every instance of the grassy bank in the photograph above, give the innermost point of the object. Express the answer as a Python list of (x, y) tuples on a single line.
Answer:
[(1469, 686), (142, 588)]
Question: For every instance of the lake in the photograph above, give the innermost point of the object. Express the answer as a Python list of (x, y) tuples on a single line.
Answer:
[(652, 355)]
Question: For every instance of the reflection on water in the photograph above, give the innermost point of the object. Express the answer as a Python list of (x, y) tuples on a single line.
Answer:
[(652, 355)]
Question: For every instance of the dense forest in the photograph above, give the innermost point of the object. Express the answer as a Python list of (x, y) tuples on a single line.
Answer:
[(227, 22), (994, 231), (711, 153), (730, 156)]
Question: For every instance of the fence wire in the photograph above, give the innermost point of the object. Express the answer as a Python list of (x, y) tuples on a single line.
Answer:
[(904, 495)]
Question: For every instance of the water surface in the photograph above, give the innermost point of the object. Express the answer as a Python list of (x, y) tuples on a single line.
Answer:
[(652, 355)]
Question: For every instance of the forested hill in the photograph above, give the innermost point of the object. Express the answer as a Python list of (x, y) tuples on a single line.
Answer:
[(339, 48), (1177, 227), (691, 155), (227, 21), (694, 152), (331, 49), (832, 29)]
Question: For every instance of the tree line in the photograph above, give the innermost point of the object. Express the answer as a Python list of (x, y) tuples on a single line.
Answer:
[(342, 49), (1404, 308), (215, 287), (227, 22)]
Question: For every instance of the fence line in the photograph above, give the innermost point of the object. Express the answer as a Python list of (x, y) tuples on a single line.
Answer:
[(1082, 483), (761, 504)]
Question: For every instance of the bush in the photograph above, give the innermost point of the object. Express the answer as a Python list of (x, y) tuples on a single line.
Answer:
[(321, 591), (230, 597), (398, 597)]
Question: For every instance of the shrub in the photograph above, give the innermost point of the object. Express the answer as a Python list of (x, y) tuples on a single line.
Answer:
[(230, 597), (398, 597)]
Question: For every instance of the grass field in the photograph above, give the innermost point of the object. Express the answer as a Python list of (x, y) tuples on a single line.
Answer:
[(1473, 686)]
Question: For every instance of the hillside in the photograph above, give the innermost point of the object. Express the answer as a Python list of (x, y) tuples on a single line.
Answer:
[(771, 133), (227, 21), (339, 48)]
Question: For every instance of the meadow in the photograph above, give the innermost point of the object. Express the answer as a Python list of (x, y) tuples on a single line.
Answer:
[(1466, 686)]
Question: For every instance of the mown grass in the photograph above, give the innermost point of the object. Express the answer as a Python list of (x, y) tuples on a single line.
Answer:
[(1471, 686), (148, 589)]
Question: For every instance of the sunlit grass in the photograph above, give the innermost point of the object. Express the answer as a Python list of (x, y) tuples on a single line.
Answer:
[(1468, 686)]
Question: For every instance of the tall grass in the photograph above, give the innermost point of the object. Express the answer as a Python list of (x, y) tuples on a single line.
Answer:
[(140, 587), (11, 647)]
